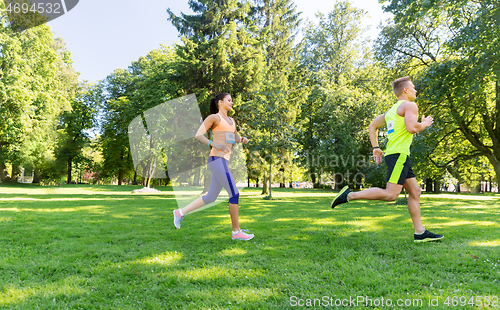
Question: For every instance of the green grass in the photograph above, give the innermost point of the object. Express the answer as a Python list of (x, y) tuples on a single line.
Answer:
[(92, 247)]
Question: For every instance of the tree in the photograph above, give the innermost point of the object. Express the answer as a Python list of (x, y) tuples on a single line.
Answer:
[(271, 111), (219, 51), (271, 129), (128, 93), (74, 127), (346, 91), (457, 67), (37, 82)]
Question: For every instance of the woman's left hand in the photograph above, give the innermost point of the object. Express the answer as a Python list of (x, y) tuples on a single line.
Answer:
[(244, 140)]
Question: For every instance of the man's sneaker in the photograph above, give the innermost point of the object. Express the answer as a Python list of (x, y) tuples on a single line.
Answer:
[(427, 236), (341, 197), (178, 219), (240, 235)]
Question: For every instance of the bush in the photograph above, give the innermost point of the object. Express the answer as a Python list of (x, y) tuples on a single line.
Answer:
[(323, 186)]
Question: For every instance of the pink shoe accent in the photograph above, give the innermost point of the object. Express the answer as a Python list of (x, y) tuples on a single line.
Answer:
[(177, 219), (242, 236)]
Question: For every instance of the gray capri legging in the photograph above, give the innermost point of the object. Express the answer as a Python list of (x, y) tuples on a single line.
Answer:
[(221, 177)]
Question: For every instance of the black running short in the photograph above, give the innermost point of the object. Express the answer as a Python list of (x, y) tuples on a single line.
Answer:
[(398, 168)]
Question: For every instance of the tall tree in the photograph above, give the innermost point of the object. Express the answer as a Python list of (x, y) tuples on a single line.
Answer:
[(145, 84), (37, 82), (118, 111), (75, 125), (346, 91), (272, 109), (219, 50)]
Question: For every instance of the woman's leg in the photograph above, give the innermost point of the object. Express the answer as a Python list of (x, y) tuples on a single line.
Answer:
[(197, 203), (234, 213), (215, 188)]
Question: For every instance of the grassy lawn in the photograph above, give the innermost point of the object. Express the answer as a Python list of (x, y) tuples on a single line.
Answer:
[(92, 247)]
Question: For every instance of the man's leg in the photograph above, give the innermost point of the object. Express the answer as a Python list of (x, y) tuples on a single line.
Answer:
[(391, 193), (414, 192), (421, 234)]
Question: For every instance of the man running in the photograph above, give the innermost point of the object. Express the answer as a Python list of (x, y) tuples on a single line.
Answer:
[(402, 123)]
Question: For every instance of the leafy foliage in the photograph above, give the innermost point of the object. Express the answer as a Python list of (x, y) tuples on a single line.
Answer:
[(450, 47), (37, 82)]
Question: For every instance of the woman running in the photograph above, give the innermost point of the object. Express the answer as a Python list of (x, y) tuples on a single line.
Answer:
[(225, 135)]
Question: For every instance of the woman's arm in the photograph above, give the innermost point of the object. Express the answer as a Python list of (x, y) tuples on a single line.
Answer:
[(200, 135), (207, 124)]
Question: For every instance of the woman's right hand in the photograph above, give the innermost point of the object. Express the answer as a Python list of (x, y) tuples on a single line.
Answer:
[(221, 147)]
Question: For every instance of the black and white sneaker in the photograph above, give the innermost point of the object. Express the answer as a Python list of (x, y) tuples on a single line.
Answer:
[(427, 236), (341, 197)]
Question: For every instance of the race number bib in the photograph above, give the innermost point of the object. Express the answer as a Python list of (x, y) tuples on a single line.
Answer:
[(230, 138), (390, 127)]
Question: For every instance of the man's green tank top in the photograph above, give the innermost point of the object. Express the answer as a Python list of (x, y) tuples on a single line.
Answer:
[(399, 138)]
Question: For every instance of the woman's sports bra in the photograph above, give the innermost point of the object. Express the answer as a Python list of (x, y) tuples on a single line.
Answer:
[(224, 133)]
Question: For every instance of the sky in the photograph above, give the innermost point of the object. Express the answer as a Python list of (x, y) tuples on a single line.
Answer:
[(106, 35)]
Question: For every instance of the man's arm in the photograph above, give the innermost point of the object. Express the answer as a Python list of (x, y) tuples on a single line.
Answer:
[(410, 110), (373, 129)]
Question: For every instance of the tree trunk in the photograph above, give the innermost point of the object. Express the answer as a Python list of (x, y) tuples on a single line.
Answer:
[(264, 185), (313, 178), (143, 174), (36, 176), (497, 171), (120, 176), (257, 182), (196, 177), (14, 173), (135, 178), (151, 170), (270, 175), (428, 185), (3, 172), (70, 162), (282, 183), (3, 168), (437, 188)]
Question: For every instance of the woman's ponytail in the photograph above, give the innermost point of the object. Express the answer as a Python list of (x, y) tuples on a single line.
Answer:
[(214, 107), (214, 102)]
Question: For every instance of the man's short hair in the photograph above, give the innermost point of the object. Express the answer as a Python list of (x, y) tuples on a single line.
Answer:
[(399, 84)]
